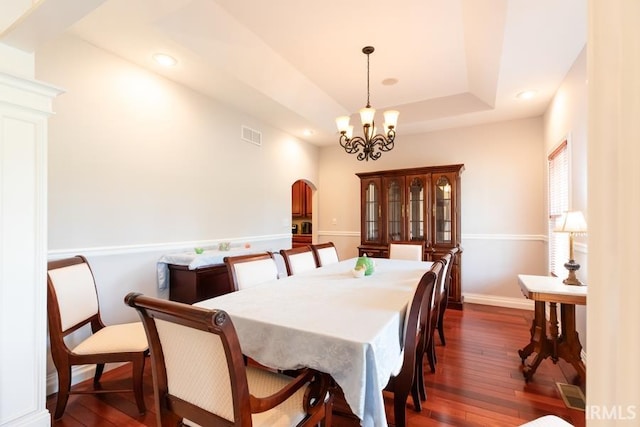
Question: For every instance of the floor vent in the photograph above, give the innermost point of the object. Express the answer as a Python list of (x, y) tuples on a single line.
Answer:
[(250, 135), (572, 396)]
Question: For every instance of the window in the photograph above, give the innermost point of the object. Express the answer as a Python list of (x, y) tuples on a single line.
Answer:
[(558, 170)]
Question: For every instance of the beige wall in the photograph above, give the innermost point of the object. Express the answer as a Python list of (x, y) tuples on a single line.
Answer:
[(613, 64), (503, 228)]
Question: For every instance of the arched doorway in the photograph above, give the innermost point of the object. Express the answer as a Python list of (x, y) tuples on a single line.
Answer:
[(301, 213)]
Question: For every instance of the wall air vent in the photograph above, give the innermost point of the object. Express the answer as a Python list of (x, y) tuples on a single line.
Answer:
[(251, 135)]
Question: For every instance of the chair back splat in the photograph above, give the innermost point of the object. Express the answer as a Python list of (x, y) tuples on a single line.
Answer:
[(200, 375), (325, 253), (411, 250), (298, 260), (246, 271), (72, 303)]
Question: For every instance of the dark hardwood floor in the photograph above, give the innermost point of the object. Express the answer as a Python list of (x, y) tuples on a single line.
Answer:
[(478, 381)]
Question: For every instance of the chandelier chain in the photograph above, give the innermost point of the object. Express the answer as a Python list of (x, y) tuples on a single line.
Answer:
[(368, 91)]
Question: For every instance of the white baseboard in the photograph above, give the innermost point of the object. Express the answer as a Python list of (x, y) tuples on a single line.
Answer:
[(78, 374), (36, 419), (519, 303)]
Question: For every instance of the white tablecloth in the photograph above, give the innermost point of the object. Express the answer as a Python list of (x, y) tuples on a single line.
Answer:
[(194, 260), (330, 321)]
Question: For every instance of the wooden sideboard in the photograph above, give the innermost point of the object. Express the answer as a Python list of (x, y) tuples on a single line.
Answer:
[(190, 286)]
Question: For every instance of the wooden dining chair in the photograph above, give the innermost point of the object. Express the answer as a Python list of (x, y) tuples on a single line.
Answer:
[(411, 250), (299, 260), (72, 304), (403, 379), (280, 264), (325, 253), (246, 271), (199, 374), (443, 300)]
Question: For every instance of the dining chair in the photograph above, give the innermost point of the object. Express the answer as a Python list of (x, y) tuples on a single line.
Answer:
[(246, 271), (411, 250), (199, 374), (325, 253), (299, 260), (439, 299), (72, 304), (444, 299), (427, 339), (403, 379), (280, 264), (547, 421)]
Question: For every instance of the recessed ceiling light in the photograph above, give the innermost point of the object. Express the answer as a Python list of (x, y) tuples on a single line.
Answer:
[(307, 132), (165, 60), (390, 81), (527, 94)]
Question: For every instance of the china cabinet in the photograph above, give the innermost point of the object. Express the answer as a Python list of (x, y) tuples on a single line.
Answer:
[(413, 204)]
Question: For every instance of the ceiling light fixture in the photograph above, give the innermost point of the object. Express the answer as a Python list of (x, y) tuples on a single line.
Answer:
[(165, 60), (527, 94), (370, 142)]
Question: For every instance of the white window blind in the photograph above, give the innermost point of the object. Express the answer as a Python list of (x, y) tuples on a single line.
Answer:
[(558, 204)]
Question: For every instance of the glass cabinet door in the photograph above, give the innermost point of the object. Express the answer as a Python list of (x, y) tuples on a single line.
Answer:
[(416, 209), (443, 210), (371, 211), (394, 188)]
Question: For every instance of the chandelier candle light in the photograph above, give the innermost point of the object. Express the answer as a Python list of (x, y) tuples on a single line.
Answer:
[(370, 142), (572, 222)]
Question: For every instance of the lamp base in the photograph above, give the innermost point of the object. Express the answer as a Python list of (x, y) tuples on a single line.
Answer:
[(572, 266)]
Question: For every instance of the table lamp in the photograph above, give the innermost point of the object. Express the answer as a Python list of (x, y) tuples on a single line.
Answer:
[(572, 222)]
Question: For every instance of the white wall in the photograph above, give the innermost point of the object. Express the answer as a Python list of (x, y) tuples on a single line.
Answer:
[(25, 106), (140, 166), (137, 159), (566, 118), (503, 231)]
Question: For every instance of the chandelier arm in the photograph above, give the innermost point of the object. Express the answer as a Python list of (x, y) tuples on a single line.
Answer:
[(383, 143), (351, 146)]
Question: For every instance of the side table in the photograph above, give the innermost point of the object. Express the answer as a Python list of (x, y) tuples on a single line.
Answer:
[(547, 289)]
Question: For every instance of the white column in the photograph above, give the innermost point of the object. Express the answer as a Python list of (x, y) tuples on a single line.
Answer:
[(613, 303), (25, 106)]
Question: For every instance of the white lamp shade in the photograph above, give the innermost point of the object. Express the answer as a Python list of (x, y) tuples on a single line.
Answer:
[(572, 222), (391, 118), (366, 116), (342, 123), (349, 131)]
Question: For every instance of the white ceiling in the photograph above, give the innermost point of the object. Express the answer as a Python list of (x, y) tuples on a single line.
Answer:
[(298, 64)]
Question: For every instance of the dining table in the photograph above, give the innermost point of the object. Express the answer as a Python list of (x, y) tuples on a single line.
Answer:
[(332, 321)]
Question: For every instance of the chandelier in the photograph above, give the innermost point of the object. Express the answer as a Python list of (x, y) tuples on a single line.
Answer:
[(372, 145)]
